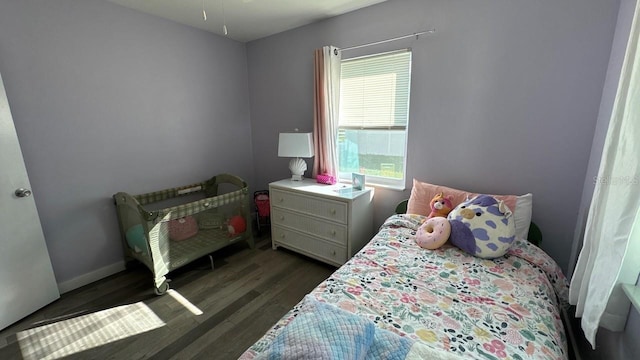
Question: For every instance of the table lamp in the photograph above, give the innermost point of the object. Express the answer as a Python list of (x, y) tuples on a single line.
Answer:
[(296, 145)]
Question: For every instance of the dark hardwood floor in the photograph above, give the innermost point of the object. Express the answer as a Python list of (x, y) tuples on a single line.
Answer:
[(120, 317)]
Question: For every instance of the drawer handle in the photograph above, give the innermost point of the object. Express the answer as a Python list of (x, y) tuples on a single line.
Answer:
[(281, 217), (333, 211), (281, 236), (333, 252), (333, 232), (281, 200)]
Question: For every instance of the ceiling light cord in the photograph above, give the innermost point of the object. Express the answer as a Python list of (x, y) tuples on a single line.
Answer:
[(224, 20), (204, 13)]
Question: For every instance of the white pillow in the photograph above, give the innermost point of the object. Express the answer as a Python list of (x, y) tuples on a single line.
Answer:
[(522, 215)]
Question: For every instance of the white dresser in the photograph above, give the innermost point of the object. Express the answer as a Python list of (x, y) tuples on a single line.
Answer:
[(326, 222)]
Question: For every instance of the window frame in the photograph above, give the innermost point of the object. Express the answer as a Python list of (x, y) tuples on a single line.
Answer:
[(374, 180)]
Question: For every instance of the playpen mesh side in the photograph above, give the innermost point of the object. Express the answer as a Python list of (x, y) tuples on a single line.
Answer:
[(134, 229)]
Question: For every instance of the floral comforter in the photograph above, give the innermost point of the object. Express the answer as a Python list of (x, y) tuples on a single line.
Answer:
[(505, 308)]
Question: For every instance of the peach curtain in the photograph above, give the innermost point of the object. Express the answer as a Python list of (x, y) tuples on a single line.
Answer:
[(326, 108)]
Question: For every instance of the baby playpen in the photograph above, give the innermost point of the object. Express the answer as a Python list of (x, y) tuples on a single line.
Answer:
[(170, 228)]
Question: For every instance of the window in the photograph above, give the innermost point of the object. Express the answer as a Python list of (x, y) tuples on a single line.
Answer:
[(373, 118)]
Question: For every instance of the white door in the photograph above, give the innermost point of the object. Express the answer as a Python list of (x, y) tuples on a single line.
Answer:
[(27, 282)]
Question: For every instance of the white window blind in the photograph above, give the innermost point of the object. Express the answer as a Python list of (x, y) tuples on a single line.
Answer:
[(374, 115), (375, 91)]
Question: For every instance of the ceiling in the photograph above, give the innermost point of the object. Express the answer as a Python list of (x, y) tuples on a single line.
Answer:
[(246, 20)]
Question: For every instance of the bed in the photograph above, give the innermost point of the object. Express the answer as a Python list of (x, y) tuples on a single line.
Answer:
[(396, 300)]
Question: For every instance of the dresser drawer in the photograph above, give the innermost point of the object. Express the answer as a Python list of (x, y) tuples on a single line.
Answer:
[(308, 245), (313, 206), (312, 226)]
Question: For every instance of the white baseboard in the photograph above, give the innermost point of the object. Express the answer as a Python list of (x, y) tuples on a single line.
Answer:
[(88, 278)]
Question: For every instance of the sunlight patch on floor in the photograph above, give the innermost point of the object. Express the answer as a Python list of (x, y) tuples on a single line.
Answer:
[(85, 332)]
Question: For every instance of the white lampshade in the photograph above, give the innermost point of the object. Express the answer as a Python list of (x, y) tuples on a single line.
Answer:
[(296, 145)]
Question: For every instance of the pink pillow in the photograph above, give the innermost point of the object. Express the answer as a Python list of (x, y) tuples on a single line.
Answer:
[(183, 228), (422, 193)]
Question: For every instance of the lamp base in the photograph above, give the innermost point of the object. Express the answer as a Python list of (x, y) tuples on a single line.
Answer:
[(297, 167)]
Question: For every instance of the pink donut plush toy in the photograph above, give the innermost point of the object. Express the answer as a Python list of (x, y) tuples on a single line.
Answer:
[(435, 231)]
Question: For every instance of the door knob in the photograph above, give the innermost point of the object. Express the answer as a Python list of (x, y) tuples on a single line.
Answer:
[(23, 192)]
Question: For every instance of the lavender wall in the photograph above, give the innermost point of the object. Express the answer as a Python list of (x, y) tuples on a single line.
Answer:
[(504, 96), (108, 99)]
